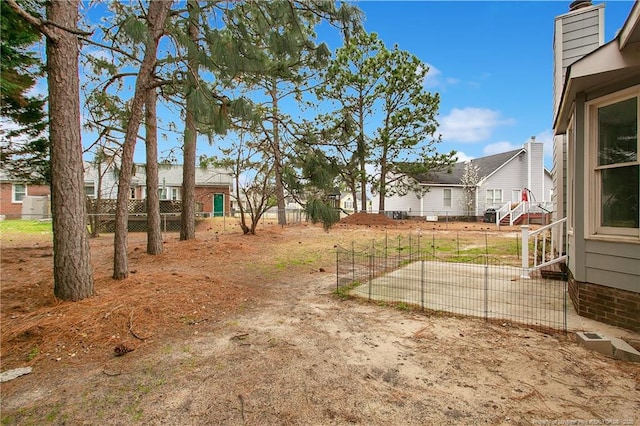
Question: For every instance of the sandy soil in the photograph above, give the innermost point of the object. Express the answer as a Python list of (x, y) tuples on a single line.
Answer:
[(233, 329)]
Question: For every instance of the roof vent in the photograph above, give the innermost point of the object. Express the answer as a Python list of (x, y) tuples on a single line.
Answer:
[(579, 4)]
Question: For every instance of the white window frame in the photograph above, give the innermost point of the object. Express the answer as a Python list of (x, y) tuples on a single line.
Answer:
[(14, 193), (516, 195), (174, 193), (492, 201), (593, 210), (571, 175), (446, 200), (91, 185)]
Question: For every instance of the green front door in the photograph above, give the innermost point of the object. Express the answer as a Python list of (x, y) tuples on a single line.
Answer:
[(218, 205)]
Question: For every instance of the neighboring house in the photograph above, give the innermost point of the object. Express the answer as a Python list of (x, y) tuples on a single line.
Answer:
[(212, 190), (346, 203), (502, 178), (23, 200), (212, 185), (596, 163)]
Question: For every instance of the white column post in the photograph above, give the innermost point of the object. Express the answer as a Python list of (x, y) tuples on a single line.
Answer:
[(525, 251)]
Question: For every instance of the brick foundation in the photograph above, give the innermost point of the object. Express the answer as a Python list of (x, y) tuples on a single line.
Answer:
[(606, 304)]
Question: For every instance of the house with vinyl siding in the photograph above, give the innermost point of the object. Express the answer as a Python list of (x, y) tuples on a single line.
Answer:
[(212, 185), (596, 164), (502, 178), (212, 190)]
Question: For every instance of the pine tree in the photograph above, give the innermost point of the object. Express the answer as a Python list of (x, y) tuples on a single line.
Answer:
[(24, 148)]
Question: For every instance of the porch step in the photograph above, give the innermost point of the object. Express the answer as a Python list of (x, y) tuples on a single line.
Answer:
[(555, 271)]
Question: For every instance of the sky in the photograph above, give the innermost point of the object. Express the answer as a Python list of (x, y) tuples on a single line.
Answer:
[(490, 61)]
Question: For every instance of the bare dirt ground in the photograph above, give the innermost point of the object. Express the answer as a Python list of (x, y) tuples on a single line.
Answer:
[(233, 329)]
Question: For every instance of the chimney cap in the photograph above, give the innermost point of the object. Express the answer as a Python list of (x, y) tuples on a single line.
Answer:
[(579, 4)]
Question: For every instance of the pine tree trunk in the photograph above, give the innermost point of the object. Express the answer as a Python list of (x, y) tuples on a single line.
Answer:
[(154, 232), (188, 215), (277, 158), (72, 273), (158, 10)]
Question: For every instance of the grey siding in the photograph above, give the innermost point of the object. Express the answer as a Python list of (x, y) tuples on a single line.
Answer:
[(614, 265), (577, 34)]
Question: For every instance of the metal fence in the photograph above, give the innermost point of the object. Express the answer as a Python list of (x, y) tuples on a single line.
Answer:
[(489, 286)]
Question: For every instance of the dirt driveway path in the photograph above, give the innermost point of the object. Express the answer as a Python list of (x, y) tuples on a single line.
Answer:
[(300, 355)]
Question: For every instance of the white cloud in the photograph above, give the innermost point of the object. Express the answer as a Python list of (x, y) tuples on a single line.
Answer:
[(461, 156), (435, 80), (471, 124), (499, 147), (433, 77)]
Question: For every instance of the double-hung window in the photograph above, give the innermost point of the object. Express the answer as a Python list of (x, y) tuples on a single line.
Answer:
[(446, 197), (18, 192), (613, 152), (90, 189), (494, 197)]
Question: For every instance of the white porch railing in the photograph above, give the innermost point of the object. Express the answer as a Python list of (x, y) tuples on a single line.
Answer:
[(502, 212), (548, 246), (521, 209), (517, 211)]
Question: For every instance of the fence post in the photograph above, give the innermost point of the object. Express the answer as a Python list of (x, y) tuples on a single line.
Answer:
[(371, 266), (353, 263), (564, 310), (525, 252), (422, 283), (337, 268), (433, 242), (486, 288)]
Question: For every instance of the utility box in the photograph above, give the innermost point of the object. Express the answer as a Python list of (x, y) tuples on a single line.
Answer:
[(36, 207)]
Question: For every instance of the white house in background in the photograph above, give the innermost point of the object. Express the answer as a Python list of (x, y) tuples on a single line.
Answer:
[(346, 203), (502, 179), (213, 186), (597, 163)]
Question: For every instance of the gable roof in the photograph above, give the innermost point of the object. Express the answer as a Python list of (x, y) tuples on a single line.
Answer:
[(486, 167), (171, 175)]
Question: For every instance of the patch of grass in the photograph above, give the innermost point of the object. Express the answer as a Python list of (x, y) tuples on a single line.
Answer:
[(135, 412), (25, 226), (343, 292), (8, 420), (296, 259), (33, 353), (53, 414), (401, 306)]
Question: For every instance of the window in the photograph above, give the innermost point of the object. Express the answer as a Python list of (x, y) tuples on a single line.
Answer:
[(516, 195), (494, 197), (615, 180), (162, 193), (175, 193), (90, 189), (18, 192), (348, 204), (132, 193), (446, 197)]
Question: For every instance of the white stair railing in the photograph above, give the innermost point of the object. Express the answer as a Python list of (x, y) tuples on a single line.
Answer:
[(548, 246), (518, 211), (502, 212)]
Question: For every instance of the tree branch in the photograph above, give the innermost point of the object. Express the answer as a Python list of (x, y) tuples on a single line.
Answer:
[(36, 22)]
